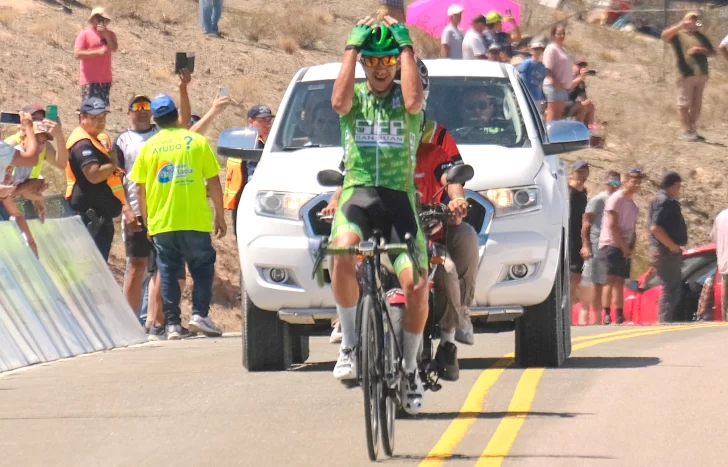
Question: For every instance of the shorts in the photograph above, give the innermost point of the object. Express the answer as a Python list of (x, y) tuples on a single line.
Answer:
[(363, 209), (152, 266), (690, 91), (595, 268), (137, 244), (616, 263), (552, 95), (100, 90)]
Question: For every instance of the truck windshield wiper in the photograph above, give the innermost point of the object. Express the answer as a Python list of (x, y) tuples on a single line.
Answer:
[(296, 148)]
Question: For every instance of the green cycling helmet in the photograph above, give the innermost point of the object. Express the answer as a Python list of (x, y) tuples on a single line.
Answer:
[(380, 43)]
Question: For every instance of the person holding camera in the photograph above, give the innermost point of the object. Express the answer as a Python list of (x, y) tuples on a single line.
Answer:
[(93, 48), (692, 50), (579, 106)]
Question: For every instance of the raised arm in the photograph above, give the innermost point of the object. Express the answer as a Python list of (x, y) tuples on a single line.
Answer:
[(411, 82), (342, 97)]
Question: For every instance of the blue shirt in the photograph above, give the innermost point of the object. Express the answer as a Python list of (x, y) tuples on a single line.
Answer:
[(533, 74), (502, 39)]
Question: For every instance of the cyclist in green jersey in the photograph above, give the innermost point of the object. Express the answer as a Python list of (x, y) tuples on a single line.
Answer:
[(381, 127)]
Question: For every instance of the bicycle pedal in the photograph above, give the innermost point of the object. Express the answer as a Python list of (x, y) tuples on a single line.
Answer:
[(435, 387)]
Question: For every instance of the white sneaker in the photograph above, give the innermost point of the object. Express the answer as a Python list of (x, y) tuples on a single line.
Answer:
[(204, 325), (336, 335), (346, 364), (412, 393)]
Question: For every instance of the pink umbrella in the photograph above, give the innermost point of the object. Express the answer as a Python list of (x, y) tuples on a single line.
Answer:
[(431, 15)]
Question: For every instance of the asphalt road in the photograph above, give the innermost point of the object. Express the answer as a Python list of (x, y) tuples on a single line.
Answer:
[(628, 396)]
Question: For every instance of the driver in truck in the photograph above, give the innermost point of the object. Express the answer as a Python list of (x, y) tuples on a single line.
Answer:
[(379, 190)]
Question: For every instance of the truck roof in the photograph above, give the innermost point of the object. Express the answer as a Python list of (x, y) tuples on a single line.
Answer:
[(441, 67)]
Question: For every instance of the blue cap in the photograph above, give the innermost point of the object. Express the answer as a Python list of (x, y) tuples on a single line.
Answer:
[(162, 105), (93, 106), (260, 111)]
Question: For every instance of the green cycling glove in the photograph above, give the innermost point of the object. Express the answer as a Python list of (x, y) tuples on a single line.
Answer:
[(401, 34), (358, 36)]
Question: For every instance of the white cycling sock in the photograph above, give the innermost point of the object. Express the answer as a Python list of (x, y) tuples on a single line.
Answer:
[(447, 337), (410, 350), (347, 319)]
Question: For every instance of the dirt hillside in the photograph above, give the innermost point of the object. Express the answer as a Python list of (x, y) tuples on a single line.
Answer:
[(266, 42)]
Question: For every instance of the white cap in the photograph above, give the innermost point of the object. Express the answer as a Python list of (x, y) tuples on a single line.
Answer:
[(454, 10)]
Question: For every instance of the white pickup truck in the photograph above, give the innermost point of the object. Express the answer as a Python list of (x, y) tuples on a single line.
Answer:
[(518, 205)]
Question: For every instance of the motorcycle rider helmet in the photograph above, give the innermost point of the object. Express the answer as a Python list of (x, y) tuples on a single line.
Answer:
[(425, 78)]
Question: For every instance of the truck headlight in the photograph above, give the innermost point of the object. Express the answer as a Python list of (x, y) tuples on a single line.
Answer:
[(509, 201), (279, 204)]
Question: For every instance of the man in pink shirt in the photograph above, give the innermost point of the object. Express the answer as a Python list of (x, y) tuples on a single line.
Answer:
[(93, 48), (720, 237), (617, 241)]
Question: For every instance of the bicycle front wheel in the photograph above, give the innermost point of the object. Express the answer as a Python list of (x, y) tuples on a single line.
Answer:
[(388, 408), (372, 381)]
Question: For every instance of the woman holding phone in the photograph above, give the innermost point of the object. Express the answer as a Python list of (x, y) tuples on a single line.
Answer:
[(558, 74)]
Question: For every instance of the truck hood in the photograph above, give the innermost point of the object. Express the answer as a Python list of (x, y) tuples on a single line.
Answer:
[(499, 167), (296, 171)]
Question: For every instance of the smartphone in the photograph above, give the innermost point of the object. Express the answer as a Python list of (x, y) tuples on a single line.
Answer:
[(52, 112), (224, 91), (591, 72), (8, 118), (184, 60)]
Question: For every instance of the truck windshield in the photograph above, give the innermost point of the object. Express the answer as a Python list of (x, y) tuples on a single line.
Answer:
[(477, 111)]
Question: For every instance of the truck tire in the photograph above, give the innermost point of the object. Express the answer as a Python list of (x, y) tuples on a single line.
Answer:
[(543, 333), (300, 349), (267, 341)]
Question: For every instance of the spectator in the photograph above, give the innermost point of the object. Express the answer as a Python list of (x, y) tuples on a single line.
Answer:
[(93, 187), (720, 237), (617, 241), (26, 155), (724, 47), (577, 207), (533, 71), (94, 46), (473, 43), (393, 8), (692, 50), (236, 176), (210, 13), (326, 130), (494, 52), (493, 33), (452, 36), (50, 130), (580, 106), (595, 267), (668, 233), (558, 74), (170, 172)]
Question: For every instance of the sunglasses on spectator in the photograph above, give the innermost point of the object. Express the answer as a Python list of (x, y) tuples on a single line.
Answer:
[(387, 60), (139, 106)]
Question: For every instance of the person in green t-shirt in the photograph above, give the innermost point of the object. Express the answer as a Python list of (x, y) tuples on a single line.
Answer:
[(381, 125), (171, 172)]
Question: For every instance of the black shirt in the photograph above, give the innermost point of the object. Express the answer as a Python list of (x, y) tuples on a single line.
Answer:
[(577, 207), (87, 195), (578, 92), (665, 212)]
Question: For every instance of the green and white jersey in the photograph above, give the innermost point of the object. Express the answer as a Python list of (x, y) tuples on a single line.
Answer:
[(380, 141)]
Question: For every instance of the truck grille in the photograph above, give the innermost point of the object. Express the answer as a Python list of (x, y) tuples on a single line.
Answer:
[(479, 216)]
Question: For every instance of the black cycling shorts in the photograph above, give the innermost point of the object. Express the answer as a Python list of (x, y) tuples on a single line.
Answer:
[(392, 212), (137, 244)]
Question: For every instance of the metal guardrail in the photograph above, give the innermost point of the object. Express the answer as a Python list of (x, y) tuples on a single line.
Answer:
[(56, 208)]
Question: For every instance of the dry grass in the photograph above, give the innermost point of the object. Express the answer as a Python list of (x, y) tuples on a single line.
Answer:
[(607, 56), (162, 74), (7, 16), (53, 32), (246, 91), (255, 26), (289, 45), (157, 11), (425, 45)]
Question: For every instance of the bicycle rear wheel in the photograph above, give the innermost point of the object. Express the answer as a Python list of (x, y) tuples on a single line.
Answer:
[(372, 382), (388, 408)]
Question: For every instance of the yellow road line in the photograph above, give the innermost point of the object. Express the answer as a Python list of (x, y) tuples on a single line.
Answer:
[(473, 404), (509, 427), (636, 330)]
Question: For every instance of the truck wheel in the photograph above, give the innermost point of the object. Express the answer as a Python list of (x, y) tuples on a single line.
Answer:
[(543, 333), (267, 341), (300, 349)]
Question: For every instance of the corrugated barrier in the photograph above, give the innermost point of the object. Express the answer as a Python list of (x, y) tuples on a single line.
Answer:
[(66, 304)]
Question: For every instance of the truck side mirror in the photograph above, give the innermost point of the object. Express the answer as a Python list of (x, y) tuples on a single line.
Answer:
[(565, 136), (330, 178), (460, 174), (239, 143)]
